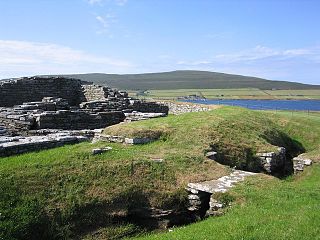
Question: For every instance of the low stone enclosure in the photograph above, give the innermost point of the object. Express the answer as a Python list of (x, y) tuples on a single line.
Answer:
[(62, 103), (34, 103)]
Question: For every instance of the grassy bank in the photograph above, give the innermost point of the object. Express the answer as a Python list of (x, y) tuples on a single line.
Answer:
[(267, 208), (68, 193)]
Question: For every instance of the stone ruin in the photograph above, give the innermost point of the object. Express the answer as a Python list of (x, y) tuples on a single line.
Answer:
[(39, 105)]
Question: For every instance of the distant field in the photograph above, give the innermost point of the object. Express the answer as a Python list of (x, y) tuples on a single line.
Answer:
[(240, 93)]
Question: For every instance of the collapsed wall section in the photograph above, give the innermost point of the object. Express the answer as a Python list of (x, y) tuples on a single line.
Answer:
[(29, 89)]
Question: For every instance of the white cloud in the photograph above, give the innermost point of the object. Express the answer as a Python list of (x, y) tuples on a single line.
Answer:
[(282, 64), (262, 52), (29, 58)]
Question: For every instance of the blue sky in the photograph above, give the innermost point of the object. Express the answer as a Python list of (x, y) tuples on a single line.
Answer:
[(277, 39)]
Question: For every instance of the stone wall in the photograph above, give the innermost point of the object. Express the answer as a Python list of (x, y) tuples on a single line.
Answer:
[(14, 92), (141, 106), (66, 104), (98, 98), (276, 163), (15, 122), (3, 131), (65, 119), (17, 145), (95, 92), (54, 114), (182, 107), (107, 105), (299, 162)]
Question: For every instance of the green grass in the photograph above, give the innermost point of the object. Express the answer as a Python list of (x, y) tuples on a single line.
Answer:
[(266, 209), (67, 192)]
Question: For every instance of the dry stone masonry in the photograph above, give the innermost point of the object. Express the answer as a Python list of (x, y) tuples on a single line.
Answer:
[(39, 103), (95, 92), (138, 116), (30, 89), (275, 163), (121, 139), (300, 162), (3, 131), (55, 114), (180, 108), (61, 103), (202, 199), (16, 145)]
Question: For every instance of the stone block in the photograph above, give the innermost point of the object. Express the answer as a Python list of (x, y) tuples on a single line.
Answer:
[(137, 140), (212, 155), (100, 150)]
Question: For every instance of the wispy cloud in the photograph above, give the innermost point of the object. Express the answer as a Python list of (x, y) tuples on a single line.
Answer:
[(262, 52), (29, 58), (105, 22), (259, 53), (285, 64)]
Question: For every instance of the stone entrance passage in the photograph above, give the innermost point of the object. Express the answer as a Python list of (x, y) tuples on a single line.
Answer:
[(202, 195)]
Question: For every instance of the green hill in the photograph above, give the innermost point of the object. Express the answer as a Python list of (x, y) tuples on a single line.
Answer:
[(187, 80), (68, 193)]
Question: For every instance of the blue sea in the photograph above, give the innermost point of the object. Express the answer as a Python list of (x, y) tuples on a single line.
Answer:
[(299, 105)]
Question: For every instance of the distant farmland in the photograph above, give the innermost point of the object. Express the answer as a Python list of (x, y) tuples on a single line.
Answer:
[(244, 93)]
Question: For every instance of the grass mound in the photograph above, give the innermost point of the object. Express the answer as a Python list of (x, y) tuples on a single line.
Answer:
[(236, 134), (67, 192)]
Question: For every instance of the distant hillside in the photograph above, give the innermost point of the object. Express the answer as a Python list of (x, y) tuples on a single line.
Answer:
[(186, 80)]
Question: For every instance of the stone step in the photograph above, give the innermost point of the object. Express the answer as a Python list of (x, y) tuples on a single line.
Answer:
[(201, 194), (222, 184)]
